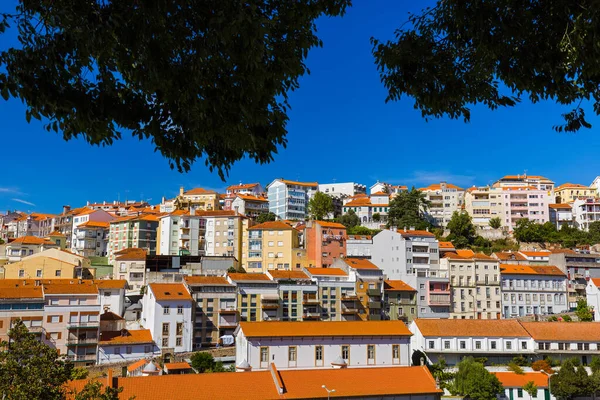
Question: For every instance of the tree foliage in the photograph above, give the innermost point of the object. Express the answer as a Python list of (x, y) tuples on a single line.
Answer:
[(266, 217), (542, 365), (93, 391), (462, 230), (529, 231), (531, 389), (29, 369), (79, 373), (474, 381), (362, 230), (203, 361), (439, 372), (320, 205), (208, 79), (583, 311), (376, 217), (495, 223), (462, 53), (571, 381), (350, 220), (516, 368), (409, 209)]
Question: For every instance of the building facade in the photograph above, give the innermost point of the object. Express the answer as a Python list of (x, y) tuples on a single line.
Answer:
[(179, 234), (133, 232), (445, 199), (270, 245), (324, 241), (569, 192), (288, 200)]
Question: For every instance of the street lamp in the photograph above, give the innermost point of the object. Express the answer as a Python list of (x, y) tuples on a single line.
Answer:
[(328, 391), (549, 381)]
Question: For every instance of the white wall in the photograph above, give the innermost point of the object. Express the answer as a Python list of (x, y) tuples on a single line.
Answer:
[(593, 298), (114, 299), (106, 354), (153, 317)]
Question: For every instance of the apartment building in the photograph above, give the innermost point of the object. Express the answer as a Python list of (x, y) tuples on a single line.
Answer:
[(372, 210), (510, 257), (338, 299), (475, 283), (532, 290), (561, 215), (386, 187), (359, 246), (342, 189), (445, 199), (25, 246), (585, 212), (413, 257), (399, 301), (130, 265), (482, 204), (298, 295), (223, 233), (137, 231), (8, 224), (63, 222), (324, 241), (579, 268), (368, 286), (47, 265), (539, 182), (569, 192), (288, 200), (33, 224), (253, 190), (197, 199), (24, 303), (250, 205), (167, 313), (215, 312), (270, 245), (322, 345), (179, 234), (91, 239), (257, 296)]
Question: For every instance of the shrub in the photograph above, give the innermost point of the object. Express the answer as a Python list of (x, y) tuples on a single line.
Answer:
[(515, 368), (543, 365), (567, 318), (520, 361), (552, 318)]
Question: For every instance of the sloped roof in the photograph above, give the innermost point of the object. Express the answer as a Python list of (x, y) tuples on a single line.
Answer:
[(360, 263), (125, 337), (131, 253), (470, 327), (272, 225), (328, 224), (564, 331), (170, 291), (32, 240), (291, 275), (514, 380), (206, 280), (326, 271), (514, 269), (324, 328), (397, 286)]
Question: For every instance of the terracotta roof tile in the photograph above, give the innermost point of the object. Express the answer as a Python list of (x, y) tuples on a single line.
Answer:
[(136, 365), (596, 281), (409, 233), (177, 366), (536, 253), (242, 186), (170, 291), (445, 245), (75, 288), (470, 327), (560, 206), (514, 269), (56, 234), (31, 292), (296, 183), (509, 255), (326, 271), (272, 225), (514, 380), (206, 280), (438, 186), (240, 277), (572, 185), (199, 191), (324, 328), (289, 275), (111, 283), (328, 224), (465, 253), (248, 197), (32, 240), (397, 286), (360, 263), (131, 254), (564, 331), (94, 224), (125, 337)]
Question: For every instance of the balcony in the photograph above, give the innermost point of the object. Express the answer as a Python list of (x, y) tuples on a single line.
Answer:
[(349, 296), (184, 236), (439, 299), (374, 304), (270, 303), (86, 357), (311, 315), (373, 292), (82, 341), (350, 310), (83, 325), (310, 299), (227, 310), (225, 322)]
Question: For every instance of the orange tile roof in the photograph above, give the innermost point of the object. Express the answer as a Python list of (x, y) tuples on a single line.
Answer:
[(523, 177), (308, 184), (465, 253), (514, 380), (572, 185), (56, 234), (31, 240), (206, 280), (509, 255), (328, 224), (41, 216), (136, 365), (514, 269), (362, 202), (272, 225), (564, 331), (380, 194), (86, 211), (66, 288), (199, 191), (31, 292), (170, 291), (445, 245), (236, 276), (177, 366), (216, 213), (111, 283), (438, 186), (127, 337), (536, 253), (324, 328), (470, 327), (560, 206), (397, 286), (242, 186), (409, 233), (326, 271), (518, 188), (360, 263), (248, 197), (596, 281), (130, 253), (94, 224), (283, 274)]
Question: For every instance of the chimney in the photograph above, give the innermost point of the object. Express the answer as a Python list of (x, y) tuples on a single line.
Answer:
[(181, 190), (237, 210), (412, 228), (66, 209), (427, 229), (87, 203), (405, 229)]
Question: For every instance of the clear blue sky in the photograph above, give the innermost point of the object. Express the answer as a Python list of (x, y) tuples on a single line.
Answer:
[(340, 128)]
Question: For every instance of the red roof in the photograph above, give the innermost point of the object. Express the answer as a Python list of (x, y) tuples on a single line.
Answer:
[(514, 380)]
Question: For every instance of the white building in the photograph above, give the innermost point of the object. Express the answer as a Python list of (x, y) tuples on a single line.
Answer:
[(250, 205), (445, 199), (497, 340), (112, 295), (248, 189), (316, 344), (167, 313), (289, 199), (92, 238), (513, 385), (586, 211), (359, 246), (371, 210), (592, 295), (561, 215), (126, 345), (531, 290), (179, 234), (347, 189)]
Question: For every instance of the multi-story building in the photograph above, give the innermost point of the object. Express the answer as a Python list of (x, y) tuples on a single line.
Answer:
[(399, 301), (445, 199), (483, 204), (324, 242), (371, 210), (257, 296), (254, 190), (8, 225), (91, 239), (196, 199), (24, 303), (561, 215), (585, 212), (413, 257), (499, 341), (536, 257), (250, 205), (63, 222), (215, 312), (270, 245), (337, 294), (48, 264), (569, 192), (388, 188), (475, 283), (368, 286), (510, 257), (326, 345), (27, 245), (298, 295), (342, 189), (130, 265), (539, 182), (167, 312), (579, 268), (289, 199), (533, 290), (126, 345), (179, 234), (34, 224), (359, 246), (137, 231), (513, 384), (223, 233)]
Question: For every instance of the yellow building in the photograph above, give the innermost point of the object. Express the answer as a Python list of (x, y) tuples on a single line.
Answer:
[(197, 199), (271, 245), (48, 265), (568, 192)]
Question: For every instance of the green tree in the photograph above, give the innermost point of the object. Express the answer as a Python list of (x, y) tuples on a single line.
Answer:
[(438, 370), (29, 369), (409, 209), (514, 367), (462, 230), (266, 217), (376, 217), (320, 206), (208, 80), (93, 391), (594, 231), (531, 389), (472, 380), (79, 373), (458, 54), (495, 223), (595, 364), (361, 230), (583, 311), (528, 231), (567, 318), (570, 381), (202, 361), (350, 220)]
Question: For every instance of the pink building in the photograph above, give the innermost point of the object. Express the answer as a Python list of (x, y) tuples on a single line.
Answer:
[(524, 202), (325, 241), (252, 189)]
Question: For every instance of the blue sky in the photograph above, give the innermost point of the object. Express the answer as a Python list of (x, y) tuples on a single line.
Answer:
[(340, 129)]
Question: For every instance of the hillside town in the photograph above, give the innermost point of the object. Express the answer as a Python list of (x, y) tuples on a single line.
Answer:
[(299, 278)]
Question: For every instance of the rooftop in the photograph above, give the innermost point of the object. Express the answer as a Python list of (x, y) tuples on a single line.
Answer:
[(177, 366), (272, 225), (360, 263), (131, 254), (530, 270), (470, 327), (31, 292), (290, 275), (170, 291), (514, 380), (397, 286), (125, 337), (34, 240), (326, 271), (324, 328), (564, 331), (206, 280), (328, 224)]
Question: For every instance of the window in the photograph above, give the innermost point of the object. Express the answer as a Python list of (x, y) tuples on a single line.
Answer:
[(165, 329), (166, 309), (179, 328), (493, 345), (524, 345), (292, 354), (165, 342), (147, 349), (57, 272), (264, 354), (73, 302), (446, 344), (346, 353), (396, 352), (371, 352), (38, 273), (318, 353), (55, 319), (117, 350), (463, 345), (478, 345), (179, 309), (128, 350), (508, 345), (178, 341), (519, 392), (431, 344)]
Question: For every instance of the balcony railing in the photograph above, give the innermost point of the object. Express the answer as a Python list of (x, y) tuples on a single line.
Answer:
[(439, 299), (82, 341), (87, 357), (74, 325), (310, 299), (349, 296)]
